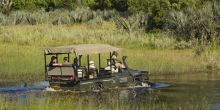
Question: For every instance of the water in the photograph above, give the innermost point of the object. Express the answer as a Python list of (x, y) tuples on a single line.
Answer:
[(186, 92), (23, 87)]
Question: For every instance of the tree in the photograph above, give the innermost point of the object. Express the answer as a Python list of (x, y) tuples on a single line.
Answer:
[(120, 5), (102, 4), (5, 6)]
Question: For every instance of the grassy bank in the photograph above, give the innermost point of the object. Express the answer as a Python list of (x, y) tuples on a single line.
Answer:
[(22, 49)]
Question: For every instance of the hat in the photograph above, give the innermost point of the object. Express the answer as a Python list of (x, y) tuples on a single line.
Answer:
[(91, 62)]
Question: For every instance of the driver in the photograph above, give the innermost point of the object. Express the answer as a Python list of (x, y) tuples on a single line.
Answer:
[(116, 61)]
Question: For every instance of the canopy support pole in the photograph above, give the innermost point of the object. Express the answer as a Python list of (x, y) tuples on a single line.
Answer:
[(57, 58), (45, 66), (80, 56), (88, 62), (110, 61), (99, 61), (68, 57)]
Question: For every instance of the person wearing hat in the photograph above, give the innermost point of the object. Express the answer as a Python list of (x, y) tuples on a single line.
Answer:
[(116, 62), (92, 69), (92, 65), (53, 61)]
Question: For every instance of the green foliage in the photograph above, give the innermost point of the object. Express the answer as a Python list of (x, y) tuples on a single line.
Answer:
[(5, 6), (184, 19), (34, 4), (182, 45), (115, 99), (88, 3), (193, 23), (102, 4), (133, 23), (155, 9), (162, 42), (67, 4), (158, 9), (57, 17), (18, 4), (120, 5)]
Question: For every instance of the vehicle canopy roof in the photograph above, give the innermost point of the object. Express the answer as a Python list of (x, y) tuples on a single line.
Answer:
[(82, 49)]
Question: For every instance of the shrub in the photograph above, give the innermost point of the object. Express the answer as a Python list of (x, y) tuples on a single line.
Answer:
[(5, 6), (160, 42), (182, 45), (194, 23), (3, 19), (31, 19), (133, 23), (18, 17), (108, 14)]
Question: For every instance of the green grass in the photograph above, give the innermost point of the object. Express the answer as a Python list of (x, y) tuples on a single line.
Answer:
[(164, 61), (103, 101), (21, 49)]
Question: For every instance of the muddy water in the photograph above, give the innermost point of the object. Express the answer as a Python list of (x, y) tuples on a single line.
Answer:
[(199, 90)]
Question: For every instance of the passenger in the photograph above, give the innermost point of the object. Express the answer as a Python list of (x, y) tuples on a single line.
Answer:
[(114, 57), (75, 63), (92, 65), (65, 60), (116, 62), (53, 62), (92, 69), (112, 68)]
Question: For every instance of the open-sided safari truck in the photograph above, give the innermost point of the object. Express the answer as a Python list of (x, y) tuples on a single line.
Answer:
[(88, 77)]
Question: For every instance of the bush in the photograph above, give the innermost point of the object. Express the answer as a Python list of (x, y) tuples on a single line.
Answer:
[(5, 6), (57, 17), (182, 45), (161, 42), (18, 17), (133, 23), (193, 23)]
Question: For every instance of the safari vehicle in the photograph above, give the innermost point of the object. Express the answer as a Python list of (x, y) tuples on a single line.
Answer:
[(82, 76)]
